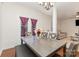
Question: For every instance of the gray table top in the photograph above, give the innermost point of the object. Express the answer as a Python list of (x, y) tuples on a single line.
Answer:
[(43, 47)]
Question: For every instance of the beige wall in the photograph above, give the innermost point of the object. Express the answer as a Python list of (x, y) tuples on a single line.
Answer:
[(0, 30), (58, 24), (11, 22), (68, 26)]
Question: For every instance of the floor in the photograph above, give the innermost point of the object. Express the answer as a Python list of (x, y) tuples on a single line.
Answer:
[(11, 53), (8, 53)]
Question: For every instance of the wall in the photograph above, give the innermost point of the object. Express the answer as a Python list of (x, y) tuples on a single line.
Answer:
[(11, 22), (68, 26), (0, 31), (58, 24)]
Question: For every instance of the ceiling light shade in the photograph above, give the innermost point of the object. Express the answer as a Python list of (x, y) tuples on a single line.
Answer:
[(47, 5)]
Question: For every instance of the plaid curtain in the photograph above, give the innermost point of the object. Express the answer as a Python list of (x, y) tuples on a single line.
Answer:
[(24, 23)]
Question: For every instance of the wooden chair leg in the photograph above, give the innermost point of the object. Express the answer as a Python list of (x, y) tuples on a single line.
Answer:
[(61, 51)]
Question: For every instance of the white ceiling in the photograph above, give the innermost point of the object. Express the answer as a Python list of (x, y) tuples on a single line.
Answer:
[(37, 6), (65, 10)]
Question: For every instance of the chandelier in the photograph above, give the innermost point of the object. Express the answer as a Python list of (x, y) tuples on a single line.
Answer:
[(47, 5)]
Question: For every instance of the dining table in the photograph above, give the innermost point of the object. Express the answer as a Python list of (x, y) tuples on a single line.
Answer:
[(43, 47)]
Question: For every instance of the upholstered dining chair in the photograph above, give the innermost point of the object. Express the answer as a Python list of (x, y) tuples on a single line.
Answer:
[(44, 35), (71, 51), (61, 35), (52, 35), (28, 33)]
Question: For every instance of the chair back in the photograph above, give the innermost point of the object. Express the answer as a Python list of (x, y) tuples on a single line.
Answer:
[(28, 33), (44, 35), (71, 47), (71, 51), (52, 36)]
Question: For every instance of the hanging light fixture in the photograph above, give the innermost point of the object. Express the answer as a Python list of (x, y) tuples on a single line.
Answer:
[(47, 5)]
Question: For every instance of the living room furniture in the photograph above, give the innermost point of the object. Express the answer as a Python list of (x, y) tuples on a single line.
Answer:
[(71, 51), (72, 46), (52, 35), (61, 35), (75, 38), (43, 47), (44, 35)]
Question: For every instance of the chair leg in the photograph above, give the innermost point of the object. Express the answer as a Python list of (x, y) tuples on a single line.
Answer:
[(21, 41)]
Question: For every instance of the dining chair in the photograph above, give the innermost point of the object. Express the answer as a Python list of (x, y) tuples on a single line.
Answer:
[(71, 51), (52, 36), (44, 35), (61, 35), (28, 34)]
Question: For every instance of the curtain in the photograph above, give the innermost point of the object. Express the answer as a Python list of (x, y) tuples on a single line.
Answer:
[(33, 21), (24, 23)]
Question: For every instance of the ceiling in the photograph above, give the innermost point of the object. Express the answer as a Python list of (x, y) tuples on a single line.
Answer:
[(65, 10)]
